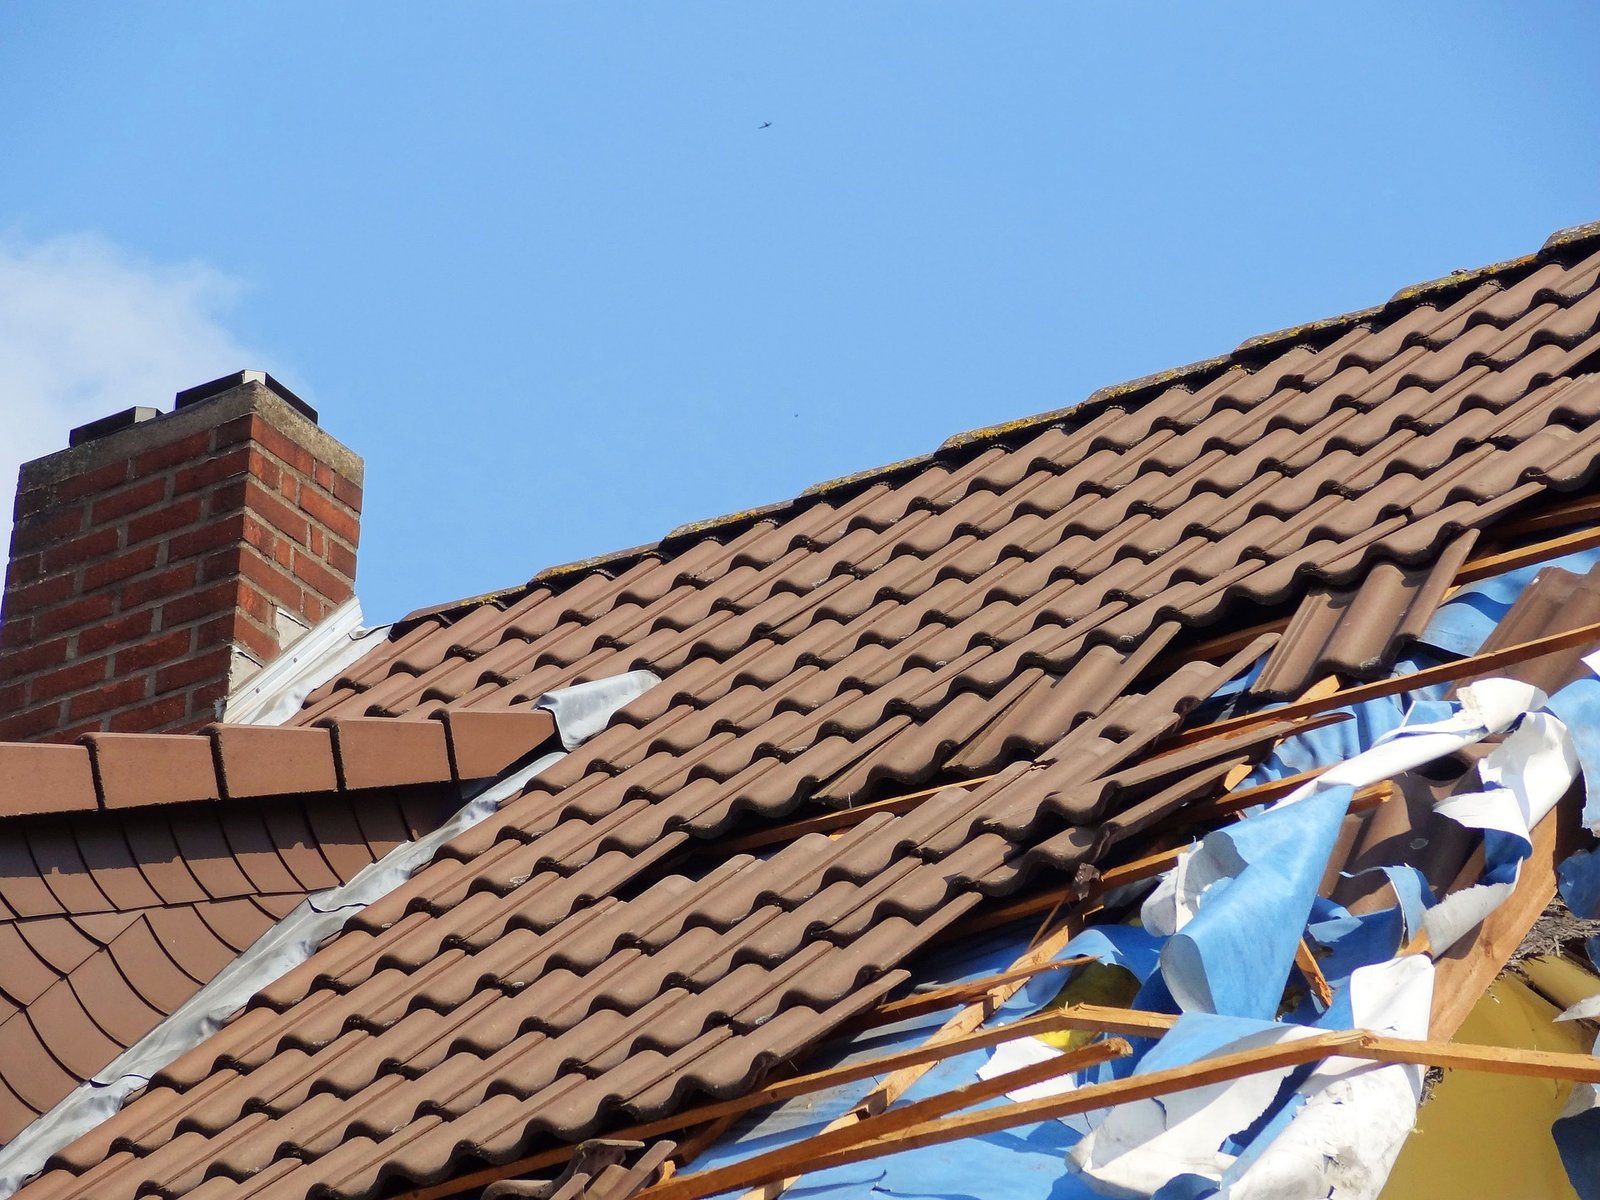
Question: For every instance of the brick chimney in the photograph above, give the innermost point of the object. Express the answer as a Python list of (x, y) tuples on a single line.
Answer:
[(162, 559)]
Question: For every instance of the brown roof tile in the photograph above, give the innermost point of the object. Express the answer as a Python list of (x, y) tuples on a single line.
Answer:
[(114, 919), (1356, 631), (40, 779), (258, 760), (136, 769)]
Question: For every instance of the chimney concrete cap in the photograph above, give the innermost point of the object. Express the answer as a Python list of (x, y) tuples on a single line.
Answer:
[(237, 395), (108, 425), (227, 383)]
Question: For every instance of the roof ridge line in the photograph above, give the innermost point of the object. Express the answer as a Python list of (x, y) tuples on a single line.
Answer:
[(1247, 353), (109, 772)]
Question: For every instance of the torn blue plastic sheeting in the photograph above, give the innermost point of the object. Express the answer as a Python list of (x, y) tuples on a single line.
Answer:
[(1463, 623), (1329, 744), (1187, 1187), (1410, 887), (1254, 885), (1578, 707), (1579, 881), (1577, 1136), (1127, 946)]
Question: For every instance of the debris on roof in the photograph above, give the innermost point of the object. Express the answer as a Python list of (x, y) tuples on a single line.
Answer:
[(1133, 800)]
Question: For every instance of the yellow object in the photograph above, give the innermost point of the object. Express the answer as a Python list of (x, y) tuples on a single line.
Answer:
[(1559, 980), (1487, 1137), (1092, 983)]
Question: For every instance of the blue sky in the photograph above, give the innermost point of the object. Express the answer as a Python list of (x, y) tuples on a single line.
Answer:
[(542, 268)]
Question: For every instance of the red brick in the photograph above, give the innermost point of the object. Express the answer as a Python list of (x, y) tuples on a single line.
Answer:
[(318, 541), (128, 500), (152, 653), (147, 718), (201, 668), (25, 660), (202, 475), (170, 582), (17, 631), (240, 429), (221, 565), (218, 632), (91, 483), (263, 537), (265, 469), (103, 699), (73, 732), (255, 603), (333, 516), (34, 500), (207, 602), (73, 677), (318, 576), (226, 532), (289, 487), (274, 511), (185, 449), (115, 631), (166, 519), (42, 529), (76, 615), (264, 645), (94, 544), (24, 568), (206, 704), (13, 696), (314, 609), (322, 476), (347, 493), (274, 582), (30, 725), (36, 595), (291, 452), (226, 498), (129, 562)]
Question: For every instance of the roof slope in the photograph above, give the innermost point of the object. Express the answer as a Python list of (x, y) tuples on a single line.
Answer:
[(134, 867), (109, 922), (1017, 603)]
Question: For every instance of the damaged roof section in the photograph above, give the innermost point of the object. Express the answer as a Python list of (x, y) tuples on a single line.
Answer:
[(1021, 615), (998, 684)]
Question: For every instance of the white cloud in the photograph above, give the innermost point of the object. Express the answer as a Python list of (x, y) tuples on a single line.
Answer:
[(87, 330)]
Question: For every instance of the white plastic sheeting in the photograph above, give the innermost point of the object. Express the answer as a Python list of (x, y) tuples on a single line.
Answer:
[(1341, 1132), (1352, 1115), (1357, 1114)]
